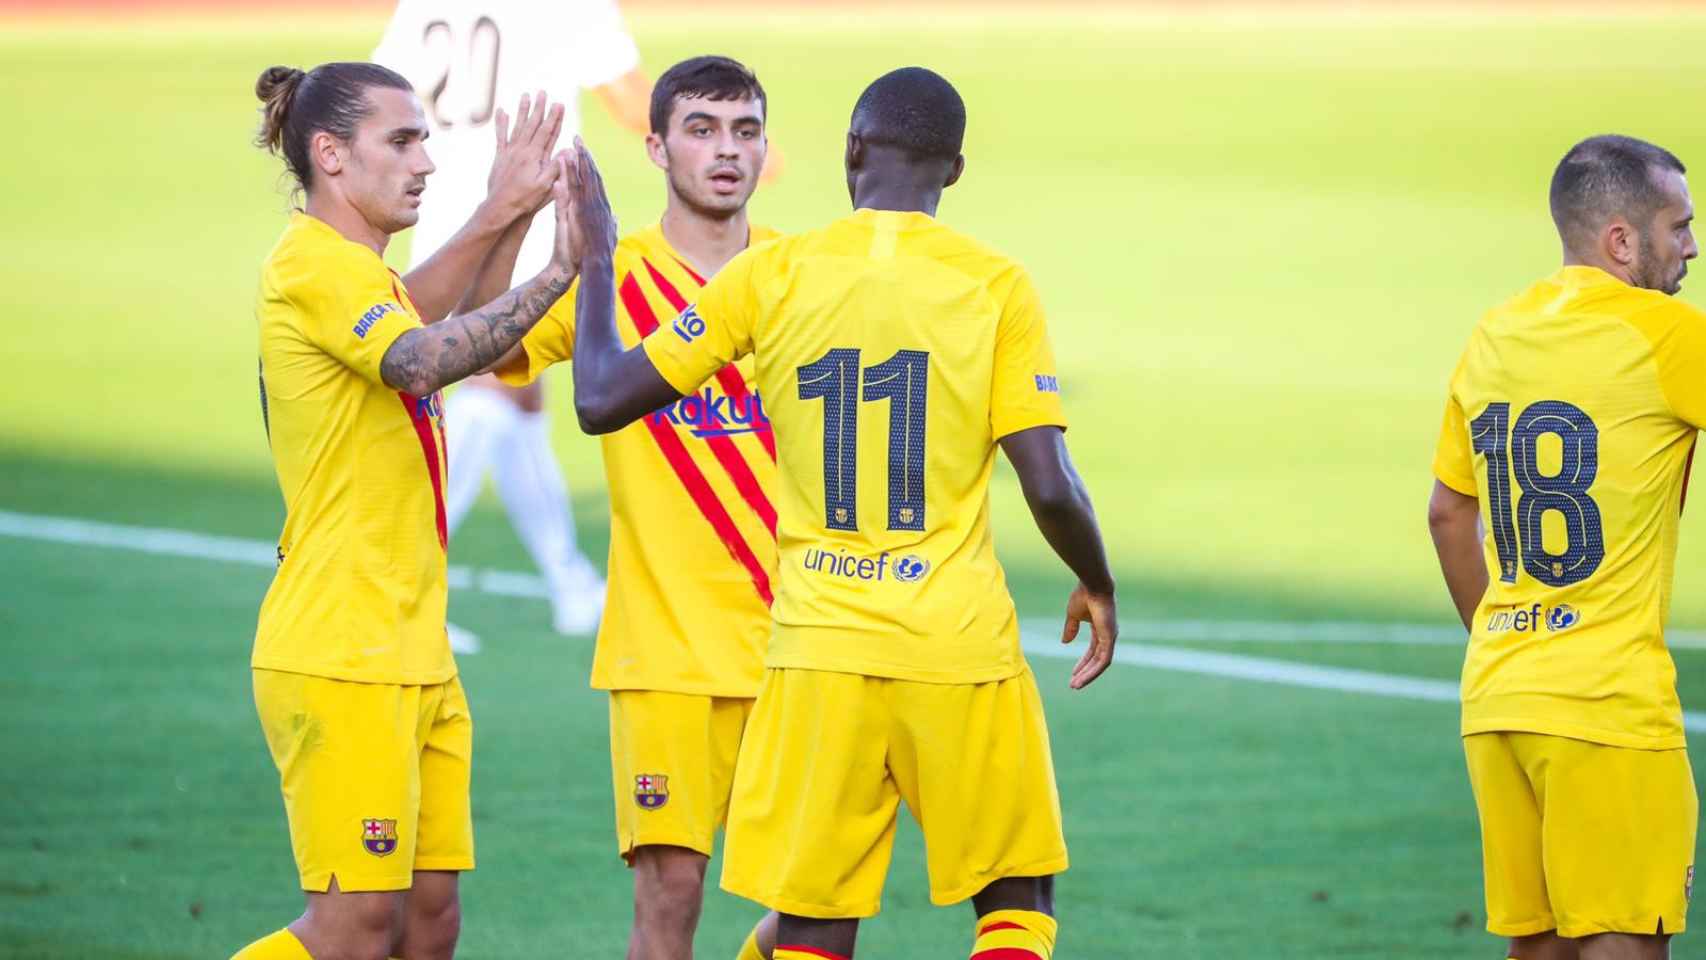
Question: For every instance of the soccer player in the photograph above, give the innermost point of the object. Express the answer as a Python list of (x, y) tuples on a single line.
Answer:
[(693, 521), (467, 56), (1568, 432), (894, 355), (354, 681)]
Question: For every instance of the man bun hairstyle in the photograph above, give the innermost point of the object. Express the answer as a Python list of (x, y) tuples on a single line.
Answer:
[(708, 78), (1607, 176), (914, 109), (331, 97)]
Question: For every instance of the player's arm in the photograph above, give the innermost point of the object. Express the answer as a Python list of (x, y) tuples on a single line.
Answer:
[(613, 387), (1454, 514), (493, 280), (1060, 504), (426, 359), (1454, 519), (518, 186)]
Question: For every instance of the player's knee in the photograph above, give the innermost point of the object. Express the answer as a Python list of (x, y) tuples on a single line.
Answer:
[(364, 927), (669, 880)]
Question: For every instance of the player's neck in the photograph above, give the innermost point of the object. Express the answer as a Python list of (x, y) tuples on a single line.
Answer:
[(348, 222), (706, 243), (903, 199), (1573, 258)]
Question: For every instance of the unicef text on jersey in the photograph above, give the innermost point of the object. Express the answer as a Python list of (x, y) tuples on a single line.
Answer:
[(1558, 617), (910, 568)]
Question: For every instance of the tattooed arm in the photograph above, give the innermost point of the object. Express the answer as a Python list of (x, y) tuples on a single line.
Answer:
[(426, 360)]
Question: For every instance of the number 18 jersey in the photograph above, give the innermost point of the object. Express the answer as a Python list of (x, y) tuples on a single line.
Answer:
[(892, 353), (1573, 417)]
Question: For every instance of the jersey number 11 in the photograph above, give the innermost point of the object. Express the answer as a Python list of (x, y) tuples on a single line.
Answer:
[(904, 380)]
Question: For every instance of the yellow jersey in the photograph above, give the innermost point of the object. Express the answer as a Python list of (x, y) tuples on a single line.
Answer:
[(361, 587), (1572, 418), (692, 514), (892, 352)]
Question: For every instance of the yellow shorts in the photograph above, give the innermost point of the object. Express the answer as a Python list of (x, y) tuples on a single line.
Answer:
[(672, 762), (1582, 837), (375, 777), (829, 756)]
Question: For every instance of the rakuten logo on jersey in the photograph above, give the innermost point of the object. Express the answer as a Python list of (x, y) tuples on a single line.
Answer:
[(1530, 619), (708, 415)]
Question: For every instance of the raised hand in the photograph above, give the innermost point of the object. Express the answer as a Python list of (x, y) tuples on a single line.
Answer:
[(1098, 610), (585, 224), (522, 167)]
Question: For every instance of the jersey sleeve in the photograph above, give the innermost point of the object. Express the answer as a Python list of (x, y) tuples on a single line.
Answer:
[(552, 340), (1454, 461), (714, 331), (353, 314), (1678, 336), (1025, 389)]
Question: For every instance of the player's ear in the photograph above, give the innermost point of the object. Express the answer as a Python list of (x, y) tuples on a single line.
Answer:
[(656, 150), (327, 152), (855, 157), (1622, 244), (954, 172)]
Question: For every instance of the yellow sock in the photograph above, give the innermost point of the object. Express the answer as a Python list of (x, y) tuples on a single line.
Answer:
[(1014, 935), (749, 950), (279, 945), (795, 952)]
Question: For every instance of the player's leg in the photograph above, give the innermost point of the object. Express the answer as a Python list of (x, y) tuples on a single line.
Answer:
[(669, 890), (445, 845), (1541, 946), (760, 944), (1623, 946), (671, 760), (532, 488), (818, 851), (1619, 831), (348, 768), (805, 938), (1519, 906), (991, 811)]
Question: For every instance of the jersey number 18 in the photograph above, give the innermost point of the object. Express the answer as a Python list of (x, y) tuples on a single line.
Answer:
[(1566, 491)]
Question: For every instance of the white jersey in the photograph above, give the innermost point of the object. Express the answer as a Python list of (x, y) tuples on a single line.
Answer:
[(465, 59)]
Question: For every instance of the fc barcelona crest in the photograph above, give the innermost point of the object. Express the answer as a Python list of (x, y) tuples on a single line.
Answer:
[(651, 790), (379, 836)]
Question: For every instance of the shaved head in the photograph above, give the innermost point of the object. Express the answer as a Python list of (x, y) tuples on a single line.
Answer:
[(915, 110), (1605, 177)]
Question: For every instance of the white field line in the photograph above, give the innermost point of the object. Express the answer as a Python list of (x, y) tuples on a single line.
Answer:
[(1040, 636)]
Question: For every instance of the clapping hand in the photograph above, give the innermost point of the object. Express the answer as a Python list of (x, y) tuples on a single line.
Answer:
[(586, 227), (523, 168)]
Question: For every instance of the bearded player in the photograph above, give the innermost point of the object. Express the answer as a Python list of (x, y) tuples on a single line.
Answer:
[(355, 685), (1568, 433), (692, 514), (895, 355)]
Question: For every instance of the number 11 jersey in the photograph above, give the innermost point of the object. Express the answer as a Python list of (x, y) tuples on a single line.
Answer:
[(892, 353), (1573, 417)]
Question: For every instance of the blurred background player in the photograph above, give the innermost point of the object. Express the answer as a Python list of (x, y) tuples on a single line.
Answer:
[(464, 57), (681, 647), (1568, 434), (354, 682), (895, 355)]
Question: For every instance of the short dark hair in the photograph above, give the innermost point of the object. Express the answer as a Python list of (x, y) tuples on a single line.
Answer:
[(1606, 176), (709, 78), (914, 109), (331, 97)]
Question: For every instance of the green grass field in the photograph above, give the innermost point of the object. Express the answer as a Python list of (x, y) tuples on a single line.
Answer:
[(1262, 241)]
